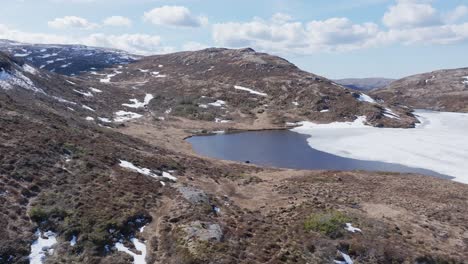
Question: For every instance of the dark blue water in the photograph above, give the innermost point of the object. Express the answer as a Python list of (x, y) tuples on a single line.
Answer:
[(286, 149)]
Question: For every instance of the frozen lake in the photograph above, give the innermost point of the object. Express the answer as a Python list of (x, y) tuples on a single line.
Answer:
[(286, 149)]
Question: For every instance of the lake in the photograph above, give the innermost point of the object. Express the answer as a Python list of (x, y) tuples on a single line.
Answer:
[(286, 149)]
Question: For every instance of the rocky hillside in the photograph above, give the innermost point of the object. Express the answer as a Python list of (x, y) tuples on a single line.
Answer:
[(66, 59), (364, 84), (244, 86), (94, 169), (443, 90)]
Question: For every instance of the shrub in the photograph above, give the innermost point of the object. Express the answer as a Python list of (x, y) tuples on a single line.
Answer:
[(328, 223)]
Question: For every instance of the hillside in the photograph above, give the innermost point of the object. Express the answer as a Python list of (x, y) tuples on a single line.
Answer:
[(94, 169), (241, 86), (364, 84), (443, 90), (66, 59)]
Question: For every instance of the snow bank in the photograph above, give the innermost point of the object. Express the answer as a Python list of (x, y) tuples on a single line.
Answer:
[(365, 98), (219, 120), (439, 143), (95, 90), (349, 227), (218, 103), (122, 116), (137, 104), (87, 94), (88, 108), (29, 69), (42, 246), (145, 171), (466, 80), (137, 258), (346, 257), (237, 87)]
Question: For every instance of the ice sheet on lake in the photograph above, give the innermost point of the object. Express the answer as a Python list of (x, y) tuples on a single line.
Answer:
[(439, 143)]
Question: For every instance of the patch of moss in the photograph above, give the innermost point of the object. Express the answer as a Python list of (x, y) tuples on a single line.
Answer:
[(329, 223)]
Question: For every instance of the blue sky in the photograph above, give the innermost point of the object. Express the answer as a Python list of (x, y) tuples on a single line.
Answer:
[(336, 39)]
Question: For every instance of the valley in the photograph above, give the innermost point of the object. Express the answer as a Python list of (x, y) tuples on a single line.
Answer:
[(96, 168)]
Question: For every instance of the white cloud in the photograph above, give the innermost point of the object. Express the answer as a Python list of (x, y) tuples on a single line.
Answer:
[(117, 21), (458, 13), (409, 22), (134, 43), (334, 34), (411, 13), (68, 22), (178, 16)]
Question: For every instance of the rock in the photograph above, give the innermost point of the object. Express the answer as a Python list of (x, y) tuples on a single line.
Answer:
[(204, 231)]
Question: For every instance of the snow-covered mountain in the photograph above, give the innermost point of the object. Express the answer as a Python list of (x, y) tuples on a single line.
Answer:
[(66, 59)]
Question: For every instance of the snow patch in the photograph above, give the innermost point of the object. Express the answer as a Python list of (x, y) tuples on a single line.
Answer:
[(140, 246), (390, 114), (88, 118), (95, 90), (237, 87), (105, 120), (145, 171), (42, 247), (87, 94), (123, 116), (349, 227), (138, 104), (466, 80), (219, 120), (365, 98), (73, 241), (88, 108), (29, 69), (218, 103)]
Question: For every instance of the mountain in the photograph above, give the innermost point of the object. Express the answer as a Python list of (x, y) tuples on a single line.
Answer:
[(364, 84), (94, 169), (243, 86), (66, 59), (443, 90)]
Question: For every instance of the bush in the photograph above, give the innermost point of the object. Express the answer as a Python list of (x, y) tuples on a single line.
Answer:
[(329, 223), (38, 214)]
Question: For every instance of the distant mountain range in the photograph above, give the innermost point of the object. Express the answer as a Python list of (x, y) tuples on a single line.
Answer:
[(365, 84)]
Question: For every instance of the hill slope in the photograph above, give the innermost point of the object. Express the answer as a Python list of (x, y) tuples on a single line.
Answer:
[(444, 90), (242, 86), (66, 59)]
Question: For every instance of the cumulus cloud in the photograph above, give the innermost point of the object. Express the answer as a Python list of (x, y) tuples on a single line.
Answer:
[(143, 44), (178, 16), (458, 13), (68, 22), (117, 21), (411, 13), (334, 34), (407, 22)]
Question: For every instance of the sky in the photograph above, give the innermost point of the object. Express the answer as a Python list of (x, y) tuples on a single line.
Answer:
[(332, 38)]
